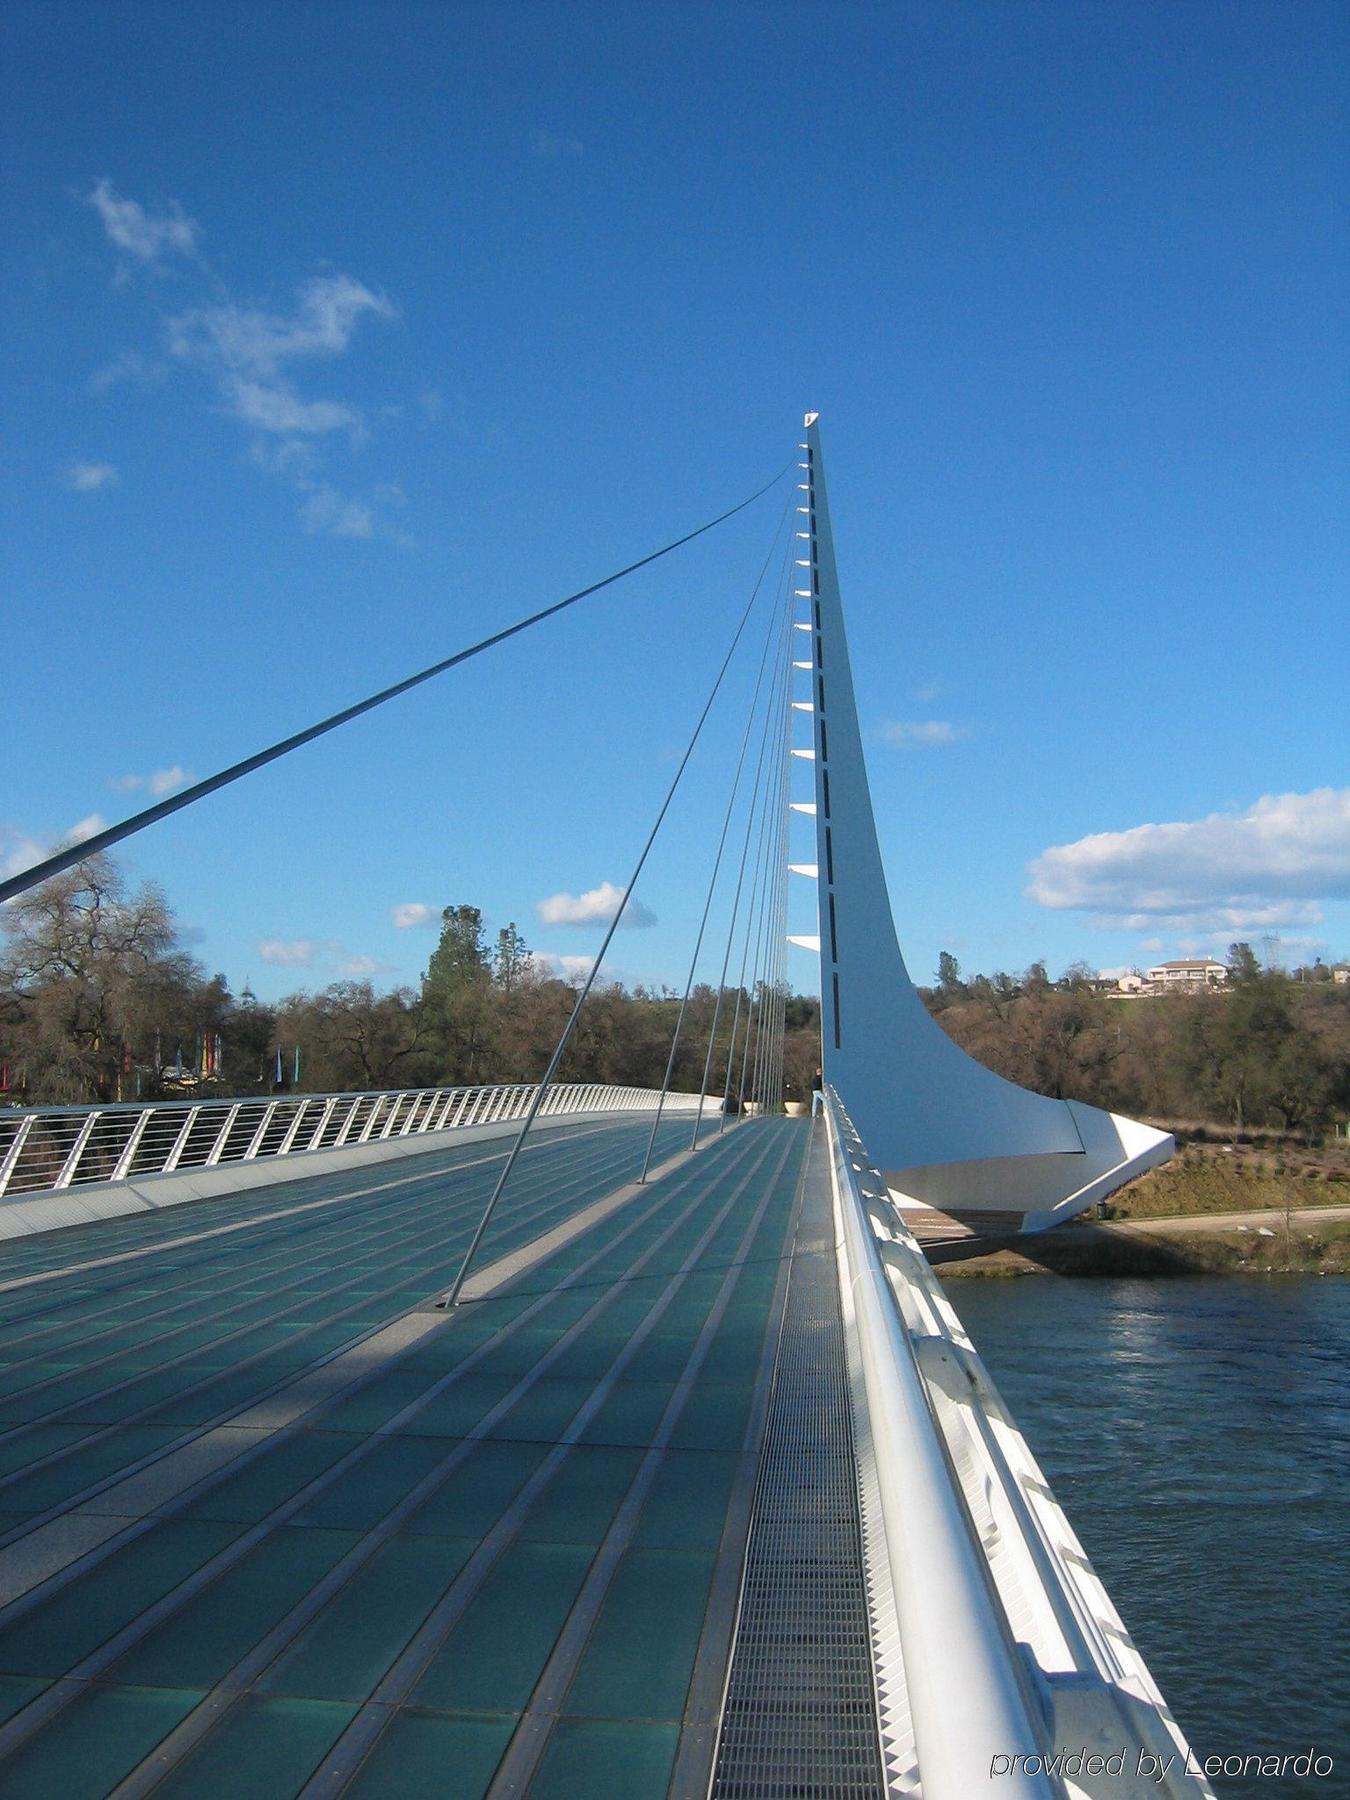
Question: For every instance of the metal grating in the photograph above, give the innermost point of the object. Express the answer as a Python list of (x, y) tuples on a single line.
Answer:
[(800, 1717)]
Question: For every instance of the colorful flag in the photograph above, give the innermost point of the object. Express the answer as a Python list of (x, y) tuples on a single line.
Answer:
[(295, 1078), (278, 1073)]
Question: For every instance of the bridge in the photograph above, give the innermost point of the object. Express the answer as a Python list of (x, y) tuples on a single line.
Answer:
[(563, 1441)]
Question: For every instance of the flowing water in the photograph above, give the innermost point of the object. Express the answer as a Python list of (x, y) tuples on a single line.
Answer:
[(1197, 1432)]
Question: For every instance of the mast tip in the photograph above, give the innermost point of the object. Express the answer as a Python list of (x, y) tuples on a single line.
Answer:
[(810, 419)]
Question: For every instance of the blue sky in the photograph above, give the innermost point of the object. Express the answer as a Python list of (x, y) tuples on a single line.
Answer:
[(341, 335)]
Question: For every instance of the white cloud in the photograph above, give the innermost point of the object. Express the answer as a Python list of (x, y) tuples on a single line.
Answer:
[(159, 782), (89, 477), (128, 365), (292, 954), (275, 406), (566, 968), (1256, 870), (328, 514), (250, 354), (359, 967), (921, 734), (409, 914), (597, 906), (143, 234), (19, 850), (257, 344), (553, 146)]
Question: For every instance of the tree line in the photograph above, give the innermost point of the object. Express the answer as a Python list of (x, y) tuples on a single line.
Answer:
[(99, 1000), (1266, 1049)]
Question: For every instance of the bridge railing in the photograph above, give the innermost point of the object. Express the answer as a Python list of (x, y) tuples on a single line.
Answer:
[(50, 1148), (996, 1601)]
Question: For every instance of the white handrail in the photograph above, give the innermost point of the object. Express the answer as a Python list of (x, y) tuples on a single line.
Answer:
[(47, 1148), (965, 1688), (975, 1537)]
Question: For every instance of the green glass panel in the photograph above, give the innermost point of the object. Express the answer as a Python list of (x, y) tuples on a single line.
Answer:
[(375, 1484), (266, 1749), (429, 1756), (661, 1357), (598, 1757), (99, 1738), (543, 1411), (375, 1403), (479, 1491), (629, 1414), (73, 1474), (19, 1452), (686, 1508), (209, 1634), (269, 1479), (641, 1652), (493, 1657), (15, 1693), (63, 1630), (713, 1418), (347, 1649), (577, 1505)]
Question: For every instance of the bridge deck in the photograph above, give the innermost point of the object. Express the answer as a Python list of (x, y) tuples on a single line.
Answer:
[(269, 1525)]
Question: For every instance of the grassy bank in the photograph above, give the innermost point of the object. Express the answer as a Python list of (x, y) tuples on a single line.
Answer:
[(1218, 1175), (1098, 1250)]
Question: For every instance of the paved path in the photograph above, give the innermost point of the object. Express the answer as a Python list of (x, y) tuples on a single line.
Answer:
[(1273, 1219), (270, 1525)]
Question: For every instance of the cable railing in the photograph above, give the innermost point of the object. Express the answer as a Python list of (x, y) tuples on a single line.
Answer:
[(1013, 1653), (52, 1148)]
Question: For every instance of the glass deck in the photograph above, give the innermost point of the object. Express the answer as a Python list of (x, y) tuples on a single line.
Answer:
[(496, 1542)]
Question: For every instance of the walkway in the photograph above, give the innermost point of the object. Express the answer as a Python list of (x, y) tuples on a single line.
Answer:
[(268, 1524)]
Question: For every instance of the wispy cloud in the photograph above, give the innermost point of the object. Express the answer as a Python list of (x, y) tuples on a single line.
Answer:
[(1260, 869), (358, 968), (247, 350), (922, 734), (566, 968), (597, 906), (252, 355), (141, 233), (89, 477), (158, 783), (326, 511), (293, 953), (409, 914), (129, 366), (554, 146), (20, 850)]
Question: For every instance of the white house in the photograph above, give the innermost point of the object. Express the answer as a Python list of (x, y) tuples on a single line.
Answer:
[(1200, 972)]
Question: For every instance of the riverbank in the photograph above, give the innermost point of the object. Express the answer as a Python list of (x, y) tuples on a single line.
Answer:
[(1214, 1173), (1311, 1245)]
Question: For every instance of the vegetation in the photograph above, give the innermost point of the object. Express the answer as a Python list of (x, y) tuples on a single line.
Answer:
[(1263, 1051), (1307, 1249), (99, 1000)]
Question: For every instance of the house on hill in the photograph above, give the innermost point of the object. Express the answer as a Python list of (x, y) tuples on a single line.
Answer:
[(1198, 972)]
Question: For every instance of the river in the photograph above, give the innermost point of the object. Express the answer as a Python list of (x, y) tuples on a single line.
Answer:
[(1197, 1433)]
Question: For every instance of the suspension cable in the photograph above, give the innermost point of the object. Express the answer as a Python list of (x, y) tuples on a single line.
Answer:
[(450, 1298), (755, 797), (722, 840), (114, 834), (755, 997)]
